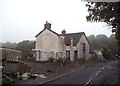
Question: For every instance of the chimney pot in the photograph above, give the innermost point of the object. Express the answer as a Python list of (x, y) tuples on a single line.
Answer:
[(47, 25), (63, 32)]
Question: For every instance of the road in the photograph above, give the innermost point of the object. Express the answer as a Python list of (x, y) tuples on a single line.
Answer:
[(102, 73)]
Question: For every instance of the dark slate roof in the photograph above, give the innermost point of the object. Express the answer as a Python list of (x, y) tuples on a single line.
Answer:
[(91, 51), (49, 30), (75, 36)]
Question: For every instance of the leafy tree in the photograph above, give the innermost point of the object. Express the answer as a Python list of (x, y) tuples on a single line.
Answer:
[(1, 44), (91, 38), (97, 41), (93, 43), (101, 39), (25, 47), (9, 45), (108, 12), (107, 53), (112, 44)]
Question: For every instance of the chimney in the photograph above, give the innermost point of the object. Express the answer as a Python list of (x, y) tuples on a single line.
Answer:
[(47, 25), (71, 41), (63, 32)]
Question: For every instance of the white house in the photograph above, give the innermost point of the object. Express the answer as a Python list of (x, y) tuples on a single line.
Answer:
[(71, 46), (99, 55)]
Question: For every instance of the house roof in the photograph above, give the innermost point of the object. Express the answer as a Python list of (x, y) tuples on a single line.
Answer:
[(91, 51), (75, 36), (47, 29)]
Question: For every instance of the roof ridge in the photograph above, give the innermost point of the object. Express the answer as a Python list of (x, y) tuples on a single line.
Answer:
[(75, 33), (53, 31), (72, 33), (49, 30)]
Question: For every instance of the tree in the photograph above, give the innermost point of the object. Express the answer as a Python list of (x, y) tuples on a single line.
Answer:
[(1, 44), (26, 46), (97, 41), (93, 43), (112, 44), (9, 45), (101, 39), (106, 52), (91, 39), (108, 12)]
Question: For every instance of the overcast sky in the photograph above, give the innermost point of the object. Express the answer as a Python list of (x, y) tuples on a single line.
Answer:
[(23, 19)]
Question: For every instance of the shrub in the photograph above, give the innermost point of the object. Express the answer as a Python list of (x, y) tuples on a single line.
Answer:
[(51, 60)]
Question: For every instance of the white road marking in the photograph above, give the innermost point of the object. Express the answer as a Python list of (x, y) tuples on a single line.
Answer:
[(88, 82), (99, 71), (92, 78), (107, 66), (103, 68), (96, 73)]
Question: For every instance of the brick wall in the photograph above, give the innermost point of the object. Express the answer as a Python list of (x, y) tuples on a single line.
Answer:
[(22, 68)]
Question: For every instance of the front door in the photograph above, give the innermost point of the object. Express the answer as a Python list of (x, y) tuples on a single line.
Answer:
[(75, 55), (68, 55)]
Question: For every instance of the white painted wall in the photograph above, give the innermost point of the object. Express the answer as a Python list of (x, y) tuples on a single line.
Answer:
[(99, 55), (80, 47), (48, 41)]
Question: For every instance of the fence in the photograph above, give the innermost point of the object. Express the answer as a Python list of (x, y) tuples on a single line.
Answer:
[(10, 54), (44, 56)]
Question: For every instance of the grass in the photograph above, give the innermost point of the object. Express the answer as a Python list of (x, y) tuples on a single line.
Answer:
[(78, 63), (81, 62), (8, 80)]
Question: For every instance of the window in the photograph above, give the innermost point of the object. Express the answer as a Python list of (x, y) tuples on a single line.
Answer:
[(83, 47), (68, 55), (75, 55)]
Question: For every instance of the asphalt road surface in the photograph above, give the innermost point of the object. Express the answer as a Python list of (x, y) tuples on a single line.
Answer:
[(102, 73)]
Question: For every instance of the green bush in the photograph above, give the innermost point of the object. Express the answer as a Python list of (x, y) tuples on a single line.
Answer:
[(51, 60), (6, 82)]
